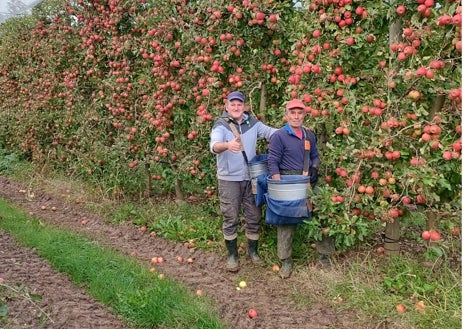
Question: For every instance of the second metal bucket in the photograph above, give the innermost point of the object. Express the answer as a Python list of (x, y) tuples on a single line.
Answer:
[(257, 166), (288, 187)]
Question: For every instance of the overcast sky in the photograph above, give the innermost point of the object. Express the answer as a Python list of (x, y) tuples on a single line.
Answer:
[(8, 8)]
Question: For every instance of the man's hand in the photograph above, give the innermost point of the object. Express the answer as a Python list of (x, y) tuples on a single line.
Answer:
[(314, 174), (235, 145)]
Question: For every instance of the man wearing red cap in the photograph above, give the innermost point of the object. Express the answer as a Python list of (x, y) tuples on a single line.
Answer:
[(234, 140), (287, 157)]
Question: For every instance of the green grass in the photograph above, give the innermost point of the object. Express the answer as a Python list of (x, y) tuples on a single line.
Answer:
[(363, 283), (371, 287), (378, 289), (121, 283)]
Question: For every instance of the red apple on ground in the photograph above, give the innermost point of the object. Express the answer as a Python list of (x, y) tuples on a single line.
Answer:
[(455, 231), (252, 313), (435, 235), (400, 308), (426, 235)]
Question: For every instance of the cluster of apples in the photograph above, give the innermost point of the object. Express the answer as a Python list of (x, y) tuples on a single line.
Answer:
[(431, 235)]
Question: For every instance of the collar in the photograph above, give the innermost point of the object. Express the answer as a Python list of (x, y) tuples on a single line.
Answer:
[(289, 130)]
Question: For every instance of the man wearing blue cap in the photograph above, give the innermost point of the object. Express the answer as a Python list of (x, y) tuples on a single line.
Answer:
[(234, 140)]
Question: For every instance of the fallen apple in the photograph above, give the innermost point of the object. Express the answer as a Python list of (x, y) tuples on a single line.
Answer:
[(401, 308), (435, 235), (420, 307), (252, 313), (426, 235), (242, 284)]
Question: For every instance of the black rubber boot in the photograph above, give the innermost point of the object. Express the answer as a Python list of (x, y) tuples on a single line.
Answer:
[(232, 262), (253, 251), (286, 269)]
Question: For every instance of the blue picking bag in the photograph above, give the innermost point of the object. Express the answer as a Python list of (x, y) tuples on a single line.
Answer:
[(282, 212), (261, 190), (286, 200)]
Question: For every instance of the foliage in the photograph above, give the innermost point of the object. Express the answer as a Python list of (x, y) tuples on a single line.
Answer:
[(123, 94)]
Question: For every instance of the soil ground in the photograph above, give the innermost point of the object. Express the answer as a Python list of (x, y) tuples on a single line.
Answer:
[(63, 305)]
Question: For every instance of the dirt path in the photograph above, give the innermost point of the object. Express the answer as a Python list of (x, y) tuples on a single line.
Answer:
[(66, 304)]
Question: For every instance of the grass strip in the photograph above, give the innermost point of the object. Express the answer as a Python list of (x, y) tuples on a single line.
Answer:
[(119, 282)]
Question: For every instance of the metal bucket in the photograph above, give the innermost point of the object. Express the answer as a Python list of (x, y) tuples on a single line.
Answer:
[(258, 165), (288, 187)]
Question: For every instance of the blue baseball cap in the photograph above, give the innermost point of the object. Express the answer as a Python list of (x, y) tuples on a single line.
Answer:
[(236, 95)]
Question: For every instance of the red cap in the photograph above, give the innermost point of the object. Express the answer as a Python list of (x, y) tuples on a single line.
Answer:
[(295, 103)]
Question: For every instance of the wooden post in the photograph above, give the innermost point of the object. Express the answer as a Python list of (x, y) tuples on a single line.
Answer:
[(148, 180), (179, 192), (392, 229), (392, 237)]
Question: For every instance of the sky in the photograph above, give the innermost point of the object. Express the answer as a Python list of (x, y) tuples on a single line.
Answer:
[(7, 7)]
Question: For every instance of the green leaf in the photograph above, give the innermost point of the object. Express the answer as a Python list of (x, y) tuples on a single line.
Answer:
[(35, 297), (3, 310)]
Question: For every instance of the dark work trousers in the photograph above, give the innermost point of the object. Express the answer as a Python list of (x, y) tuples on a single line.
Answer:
[(236, 198)]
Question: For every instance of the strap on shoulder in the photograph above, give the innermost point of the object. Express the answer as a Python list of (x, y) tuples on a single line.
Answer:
[(239, 139), (307, 148)]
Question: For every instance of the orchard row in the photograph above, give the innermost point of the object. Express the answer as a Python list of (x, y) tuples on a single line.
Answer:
[(123, 93)]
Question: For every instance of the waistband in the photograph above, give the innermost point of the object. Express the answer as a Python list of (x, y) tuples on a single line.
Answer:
[(291, 172)]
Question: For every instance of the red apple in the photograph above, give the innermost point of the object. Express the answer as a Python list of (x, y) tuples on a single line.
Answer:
[(426, 235), (434, 235), (273, 18), (455, 231), (252, 313), (401, 308), (400, 10)]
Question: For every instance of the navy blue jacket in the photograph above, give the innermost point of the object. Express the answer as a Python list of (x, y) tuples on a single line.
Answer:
[(286, 151)]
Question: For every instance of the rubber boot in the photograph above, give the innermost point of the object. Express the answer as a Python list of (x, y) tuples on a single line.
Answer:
[(286, 269), (253, 251), (232, 262)]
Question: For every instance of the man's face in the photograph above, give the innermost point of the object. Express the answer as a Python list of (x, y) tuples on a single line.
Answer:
[(295, 117), (235, 108)]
